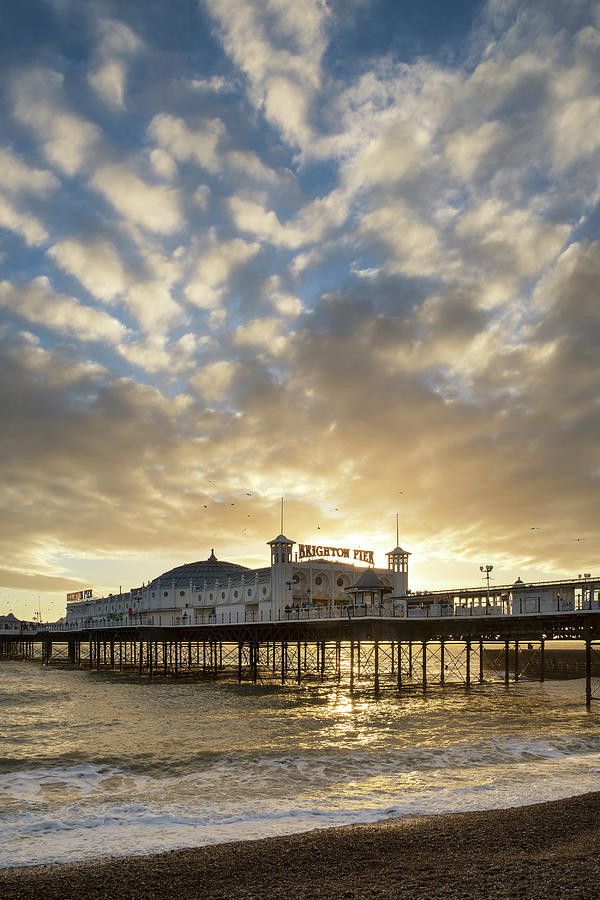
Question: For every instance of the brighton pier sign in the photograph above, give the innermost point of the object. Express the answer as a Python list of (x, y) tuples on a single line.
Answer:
[(79, 595), (308, 551)]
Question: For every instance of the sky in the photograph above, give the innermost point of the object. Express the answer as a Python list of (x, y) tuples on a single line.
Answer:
[(345, 252)]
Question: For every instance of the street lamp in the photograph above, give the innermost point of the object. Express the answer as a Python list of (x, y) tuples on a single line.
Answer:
[(487, 569)]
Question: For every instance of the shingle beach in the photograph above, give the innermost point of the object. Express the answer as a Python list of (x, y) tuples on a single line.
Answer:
[(545, 850)]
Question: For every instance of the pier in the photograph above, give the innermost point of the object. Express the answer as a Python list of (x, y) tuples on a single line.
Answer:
[(370, 646)]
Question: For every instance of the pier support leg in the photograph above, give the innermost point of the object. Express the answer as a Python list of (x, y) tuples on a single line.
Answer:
[(480, 662), (240, 652), (468, 652), (424, 665), (410, 659), (516, 660), (141, 662), (399, 668), (376, 667), (588, 665), (255, 663), (442, 662), (506, 661), (149, 655), (299, 649), (351, 665), (542, 658)]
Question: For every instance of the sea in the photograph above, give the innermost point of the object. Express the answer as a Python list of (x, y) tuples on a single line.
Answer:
[(97, 764)]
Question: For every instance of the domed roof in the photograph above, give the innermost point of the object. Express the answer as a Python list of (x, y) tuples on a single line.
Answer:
[(209, 569)]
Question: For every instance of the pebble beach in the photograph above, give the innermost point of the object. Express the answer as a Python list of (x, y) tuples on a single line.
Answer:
[(543, 850)]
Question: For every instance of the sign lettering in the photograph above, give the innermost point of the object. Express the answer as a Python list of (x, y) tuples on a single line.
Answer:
[(73, 596), (306, 551)]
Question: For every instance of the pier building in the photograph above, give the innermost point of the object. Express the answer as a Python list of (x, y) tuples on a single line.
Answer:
[(311, 577)]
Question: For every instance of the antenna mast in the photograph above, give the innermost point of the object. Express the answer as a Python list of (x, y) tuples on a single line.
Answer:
[(281, 532)]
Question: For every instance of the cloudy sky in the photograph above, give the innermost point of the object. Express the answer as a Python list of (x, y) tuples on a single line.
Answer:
[(341, 251)]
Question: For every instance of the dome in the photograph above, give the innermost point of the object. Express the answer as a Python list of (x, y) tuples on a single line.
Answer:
[(210, 569)]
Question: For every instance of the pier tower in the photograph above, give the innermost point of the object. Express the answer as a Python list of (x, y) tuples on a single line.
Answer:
[(398, 565), (281, 573)]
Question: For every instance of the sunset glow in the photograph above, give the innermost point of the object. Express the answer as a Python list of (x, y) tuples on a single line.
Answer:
[(344, 253)]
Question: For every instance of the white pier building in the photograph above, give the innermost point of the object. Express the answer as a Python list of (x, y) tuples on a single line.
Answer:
[(314, 577)]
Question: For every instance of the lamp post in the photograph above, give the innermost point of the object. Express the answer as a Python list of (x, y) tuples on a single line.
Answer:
[(486, 570)]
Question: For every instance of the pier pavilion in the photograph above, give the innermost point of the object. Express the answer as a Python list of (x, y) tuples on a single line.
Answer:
[(314, 577)]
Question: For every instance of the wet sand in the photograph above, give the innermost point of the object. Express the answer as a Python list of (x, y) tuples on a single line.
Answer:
[(547, 850)]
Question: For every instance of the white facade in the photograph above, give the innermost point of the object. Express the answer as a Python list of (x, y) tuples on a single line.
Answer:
[(211, 590)]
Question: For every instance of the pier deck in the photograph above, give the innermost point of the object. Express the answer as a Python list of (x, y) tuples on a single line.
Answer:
[(384, 651)]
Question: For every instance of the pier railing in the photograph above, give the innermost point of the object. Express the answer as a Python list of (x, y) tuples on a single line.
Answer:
[(517, 607)]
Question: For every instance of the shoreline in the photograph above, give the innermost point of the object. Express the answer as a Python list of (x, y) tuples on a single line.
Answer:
[(550, 848)]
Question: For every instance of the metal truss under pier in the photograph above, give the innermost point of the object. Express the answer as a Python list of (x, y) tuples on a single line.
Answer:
[(381, 652)]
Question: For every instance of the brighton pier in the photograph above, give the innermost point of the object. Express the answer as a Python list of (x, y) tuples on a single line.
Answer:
[(305, 619)]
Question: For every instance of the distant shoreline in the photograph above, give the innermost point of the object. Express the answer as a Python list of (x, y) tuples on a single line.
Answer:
[(547, 849)]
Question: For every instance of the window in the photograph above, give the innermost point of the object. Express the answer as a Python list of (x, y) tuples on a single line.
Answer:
[(166, 594), (340, 582), (318, 580), (182, 593), (235, 593)]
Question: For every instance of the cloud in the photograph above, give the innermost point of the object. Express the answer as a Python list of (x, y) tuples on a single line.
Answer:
[(109, 83), (285, 302), (153, 306), (18, 177), (155, 207), (279, 49), (163, 164), (40, 305), (214, 380), (155, 354), (184, 144), (96, 264), (28, 226), (68, 140), (250, 165), (117, 44), (214, 269), (266, 333)]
